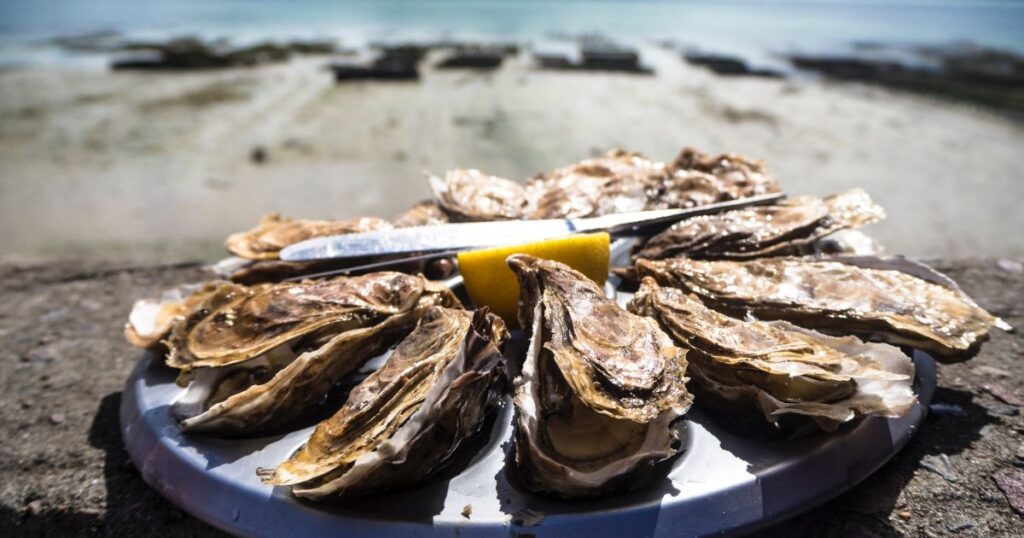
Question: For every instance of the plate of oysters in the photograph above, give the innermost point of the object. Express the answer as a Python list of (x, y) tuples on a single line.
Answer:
[(729, 371)]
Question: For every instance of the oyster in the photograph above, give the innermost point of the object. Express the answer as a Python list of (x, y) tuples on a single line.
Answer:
[(613, 183), (151, 320), (275, 232), (788, 227), (407, 419), (257, 358), (599, 389), (778, 368), (696, 178), (422, 214), (471, 195), (875, 302)]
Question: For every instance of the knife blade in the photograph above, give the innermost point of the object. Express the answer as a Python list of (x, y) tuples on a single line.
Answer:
[(463, 236)]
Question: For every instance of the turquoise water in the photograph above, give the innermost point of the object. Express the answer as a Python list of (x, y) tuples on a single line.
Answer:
[(731, 26)]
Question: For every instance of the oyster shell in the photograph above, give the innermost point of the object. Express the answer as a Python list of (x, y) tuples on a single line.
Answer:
[(613, 183), (151, 320), (696, 178), (788, 227), (599, 389), (407, 419), (275, 232), (880, 304), (778, 368), (422, 214), (471, 195), (255, 359)]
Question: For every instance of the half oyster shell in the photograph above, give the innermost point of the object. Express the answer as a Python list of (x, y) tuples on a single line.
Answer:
[(151, 320), (695, 178), (275, 232), (599, 389), (777, 368), (788, 227), (878, 303), (406, 420), (255, 359), (471, 195), (613, 183)]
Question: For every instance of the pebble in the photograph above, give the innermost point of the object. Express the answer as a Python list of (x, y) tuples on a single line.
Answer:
[(34, 508), (1011, 482), (467, 511), (940, 465), (1002, 410), (57, 418), (1003, 394), (905, 514), (947, 409), (960, 525), (990, 371), (1010, 266)]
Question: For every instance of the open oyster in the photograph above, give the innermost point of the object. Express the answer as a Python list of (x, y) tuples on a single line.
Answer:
[(407, 419), (471, 195), (260, 357), (599, 389), (787, 227), (877, 302), (778, 368), (275, 232), (613, 183), (151, 320)]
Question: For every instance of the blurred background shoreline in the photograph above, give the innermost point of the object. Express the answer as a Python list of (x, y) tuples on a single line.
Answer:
[(919, 103)]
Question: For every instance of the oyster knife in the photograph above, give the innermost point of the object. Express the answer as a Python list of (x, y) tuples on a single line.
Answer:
[(462, 236)]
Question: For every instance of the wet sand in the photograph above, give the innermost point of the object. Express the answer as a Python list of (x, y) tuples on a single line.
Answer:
[(157, 166)]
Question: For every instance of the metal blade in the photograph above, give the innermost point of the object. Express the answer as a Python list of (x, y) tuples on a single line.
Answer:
[(425, 239)]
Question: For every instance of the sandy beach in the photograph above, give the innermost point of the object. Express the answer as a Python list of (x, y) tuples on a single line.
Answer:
[(157, 166)]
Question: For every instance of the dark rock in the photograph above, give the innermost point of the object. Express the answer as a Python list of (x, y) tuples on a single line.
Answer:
[(940, 408), (984, 76), (960, 525), (728, 65), (392, 63), (258, 155), (595, 55), (481, 60)]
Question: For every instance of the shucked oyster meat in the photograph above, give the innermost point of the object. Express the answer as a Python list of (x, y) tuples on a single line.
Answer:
[(406, 420), (275, 232), (256, 357), (777, 368), (788, 227), (875, 302), (599, 389), (471, 195)]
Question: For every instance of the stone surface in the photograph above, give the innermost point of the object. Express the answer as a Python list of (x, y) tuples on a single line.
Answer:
[(75, 479)]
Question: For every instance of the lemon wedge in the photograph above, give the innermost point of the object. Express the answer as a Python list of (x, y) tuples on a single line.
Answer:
[(491, 283)]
